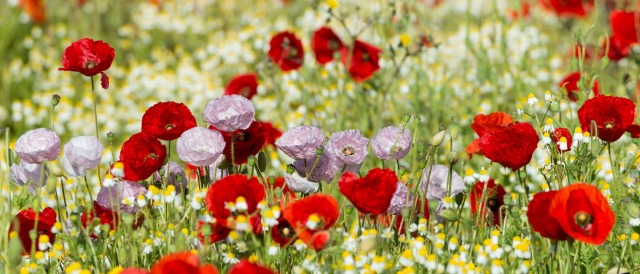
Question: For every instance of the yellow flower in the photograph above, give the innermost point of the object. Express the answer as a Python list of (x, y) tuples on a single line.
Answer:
[(333, 4)]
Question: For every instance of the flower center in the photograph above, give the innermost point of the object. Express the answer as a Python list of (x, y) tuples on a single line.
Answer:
[(89, 64), (169, 126), (152, 156), (365, 57), (493, 204), (333, 44), (245, 92), (348, 150), (584, 220), (242, 136), (608, 125)]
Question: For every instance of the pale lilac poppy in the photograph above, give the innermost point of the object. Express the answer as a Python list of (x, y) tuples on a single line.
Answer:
[(301, 142), (110, 197), (299, 184), (230, 113), (438, 182), (81, 153), (25, 172), (38, 145), (347, 147), (323, 171), (200, 146), (401, 199), (392, 143)]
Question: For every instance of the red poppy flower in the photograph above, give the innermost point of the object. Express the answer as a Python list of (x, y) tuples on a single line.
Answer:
[(167, 120), (483, 124), (181, 263), (570, 84), (142, 155), (512, 147), (312, 214), (617, 49), (557, 136), (35, 9), (246, 267), (538, 214), (246, 142), (583, 213), (286, 51), (325, 44), (371, 194), (283, 233), (218, 232), (25, 221), (492, 201), (624, 30), (612, 115), (105, 215), (568, 8), (243, 84), (271, 133), (89, 57), (362, 61), (231, 190)]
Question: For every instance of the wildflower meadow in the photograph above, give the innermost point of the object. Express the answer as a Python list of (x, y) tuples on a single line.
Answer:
[(319, 136)]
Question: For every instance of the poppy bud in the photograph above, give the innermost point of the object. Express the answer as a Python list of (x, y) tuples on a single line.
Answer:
[(554, 108), (35, 205), (55, 170), (406, 117), (272, 180), (349, 209), (452, 158), (507, 199), (454, 129), (319, 150), (55, 99), (437, 139), (422, 164), (634, 210), (290, 169), (161, 171), (110, 136), (449, 215), (52, 183), (416, 120)]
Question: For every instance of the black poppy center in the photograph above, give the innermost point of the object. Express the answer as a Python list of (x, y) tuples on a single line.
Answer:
[(493, 204), (242, 136), (583, 219)]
